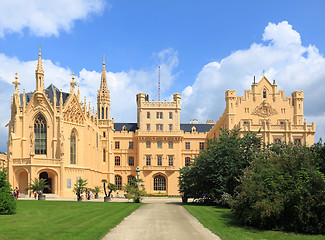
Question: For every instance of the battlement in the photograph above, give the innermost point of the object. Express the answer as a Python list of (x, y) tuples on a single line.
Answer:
[(230, 93), (298, 94)]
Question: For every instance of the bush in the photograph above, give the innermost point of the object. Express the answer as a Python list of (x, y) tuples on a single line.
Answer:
[(7, 202), (283, 190)]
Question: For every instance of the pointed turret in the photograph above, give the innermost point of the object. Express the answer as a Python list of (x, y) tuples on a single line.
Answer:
[(103, 96), (39, 73)]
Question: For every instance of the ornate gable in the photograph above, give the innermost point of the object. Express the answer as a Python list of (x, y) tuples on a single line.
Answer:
[(72, 111), (264, 110), (40, 102)]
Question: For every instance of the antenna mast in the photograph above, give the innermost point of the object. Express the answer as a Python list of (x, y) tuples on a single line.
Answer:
[(159, 83)]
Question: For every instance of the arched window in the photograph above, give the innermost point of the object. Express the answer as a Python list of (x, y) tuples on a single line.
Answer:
[(103, 113), (104, 155), (159, 183), (40, 134), (118, 182), (73, 148), (264, 94), (130, 178), (106, 113)]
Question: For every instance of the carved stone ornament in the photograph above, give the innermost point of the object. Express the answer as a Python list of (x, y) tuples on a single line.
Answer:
[(264, 110), (73, 113)]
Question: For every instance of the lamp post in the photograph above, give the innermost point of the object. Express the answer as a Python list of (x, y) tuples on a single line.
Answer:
[(138, 170)]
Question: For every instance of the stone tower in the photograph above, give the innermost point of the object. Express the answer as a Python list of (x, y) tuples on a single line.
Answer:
[(103, 98)]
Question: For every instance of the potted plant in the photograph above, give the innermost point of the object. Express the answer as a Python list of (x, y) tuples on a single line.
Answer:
[(111, 187), (38, 185), (96, 190), (79, 187), (134, 190)]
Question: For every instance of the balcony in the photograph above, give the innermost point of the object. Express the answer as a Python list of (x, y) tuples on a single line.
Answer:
[(159, 168)]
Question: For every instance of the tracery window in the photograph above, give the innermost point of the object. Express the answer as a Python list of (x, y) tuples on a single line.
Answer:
[(40, 134), (264, 94), (73, 148), (159, 183), (130, 178), (118, 182), (103, 112)]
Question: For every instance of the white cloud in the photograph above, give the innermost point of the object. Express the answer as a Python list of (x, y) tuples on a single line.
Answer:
[(46, 17), (281, 55)]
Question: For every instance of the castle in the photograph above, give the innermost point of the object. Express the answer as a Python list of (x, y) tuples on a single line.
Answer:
[(55, 136)]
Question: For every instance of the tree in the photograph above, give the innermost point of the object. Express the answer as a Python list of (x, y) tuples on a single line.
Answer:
[(79, 187), (96, 190), (7, 202), (135, 192), (283, 189), (38, 185), (217, 169), (111, 187)]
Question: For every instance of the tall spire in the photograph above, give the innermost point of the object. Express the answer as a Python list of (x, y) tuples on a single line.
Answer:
[(39, 73), (103, 81)]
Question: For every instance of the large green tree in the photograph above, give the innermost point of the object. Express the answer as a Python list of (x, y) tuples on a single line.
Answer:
[(7, 202), (283, 189), (217, 169)]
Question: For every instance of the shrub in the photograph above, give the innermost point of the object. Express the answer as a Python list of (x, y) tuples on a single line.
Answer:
[(284, 190), (7, 202)]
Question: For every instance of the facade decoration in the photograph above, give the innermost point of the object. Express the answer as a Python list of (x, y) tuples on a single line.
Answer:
[(54, 135)]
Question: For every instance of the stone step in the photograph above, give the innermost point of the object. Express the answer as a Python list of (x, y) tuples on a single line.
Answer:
[(52, 196)]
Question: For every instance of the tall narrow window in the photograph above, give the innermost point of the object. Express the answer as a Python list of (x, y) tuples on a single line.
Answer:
[(117, 145), (148, 127), (187, 161), (148, 115), (148, 160), (97, 140), (106, 113), (159, 183), (131, 161), (148, 144), (201, 145), (117, 161), (40, 135), (103, 113), (187, 146), (170, 115), (170, 161), (170, 145), (131, 180), (131, 145), (159, 145), (264, 94), (159, 160), (73, 148), (118, 182), (104, 155)]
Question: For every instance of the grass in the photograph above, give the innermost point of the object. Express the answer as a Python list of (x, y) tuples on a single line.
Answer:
[(63, 220), (222, 222)]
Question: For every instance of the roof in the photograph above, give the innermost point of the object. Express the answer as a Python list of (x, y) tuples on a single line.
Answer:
[(131, 127), (187, 127), (49, 91)]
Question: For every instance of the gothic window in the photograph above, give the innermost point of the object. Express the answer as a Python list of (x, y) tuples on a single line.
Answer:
[(73, 148), (264, 94), (106, 113), (159, 183), (103, 112), (40, 135), (118, 182), (104, 155)]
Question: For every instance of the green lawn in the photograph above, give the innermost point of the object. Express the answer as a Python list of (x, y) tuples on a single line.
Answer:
[(223, 223), (63, 220)]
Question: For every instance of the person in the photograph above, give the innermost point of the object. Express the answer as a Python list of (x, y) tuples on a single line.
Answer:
[(35, 194), (16, 192), (88, 194)]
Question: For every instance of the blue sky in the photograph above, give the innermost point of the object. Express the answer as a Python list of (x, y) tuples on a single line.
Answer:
[(203, 47)]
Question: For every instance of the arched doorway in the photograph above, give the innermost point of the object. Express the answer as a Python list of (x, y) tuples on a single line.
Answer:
[(22, 181), (51, 178)]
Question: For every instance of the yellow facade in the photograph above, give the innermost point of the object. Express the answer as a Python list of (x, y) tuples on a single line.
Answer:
[(54, 135)]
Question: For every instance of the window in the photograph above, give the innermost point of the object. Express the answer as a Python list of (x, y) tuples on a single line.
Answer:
[(117, 161), (170, 127), (148, 115), (118, 182), (281, 123), (131, 145), (159, 160), (170, 145), (131, 180), (264, 94), (159, 183), (117, 145), (170, 115), (104, 155), (97, 140), (201, 145), (187, 145), (106, 114), (40, 135), (159, 115), (104, 134), (103, 112), (159, 145), (170, 161), (277, 140), (187, 161), (245, 122), (148, 127), (297, 141), (148, 144), (131, 161), (148, 160), (73, 148), (159, 127)]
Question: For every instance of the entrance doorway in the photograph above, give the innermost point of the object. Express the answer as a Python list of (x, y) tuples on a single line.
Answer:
[(44, 175)]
